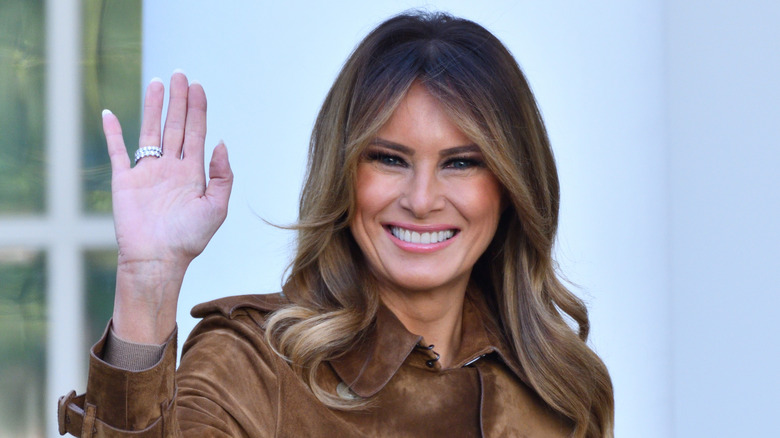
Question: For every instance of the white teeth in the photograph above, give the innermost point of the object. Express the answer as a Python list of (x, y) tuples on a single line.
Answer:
[(416, 237)]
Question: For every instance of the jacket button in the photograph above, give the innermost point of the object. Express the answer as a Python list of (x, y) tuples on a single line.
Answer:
[(432, 362)]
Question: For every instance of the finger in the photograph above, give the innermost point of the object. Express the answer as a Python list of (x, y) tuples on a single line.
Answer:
[(220, 180), (176, 117), (195, 128), (153, 103), (117, 152)]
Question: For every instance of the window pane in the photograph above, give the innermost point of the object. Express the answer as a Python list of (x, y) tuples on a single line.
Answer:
[(100, 282), (22, 112), (22, 343), (111, 79)]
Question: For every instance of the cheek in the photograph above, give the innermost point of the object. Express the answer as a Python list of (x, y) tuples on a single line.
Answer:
[(365, 186), (373, 192), (485, 200)]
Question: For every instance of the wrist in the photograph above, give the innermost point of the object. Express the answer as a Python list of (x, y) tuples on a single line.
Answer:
[(146, 299)]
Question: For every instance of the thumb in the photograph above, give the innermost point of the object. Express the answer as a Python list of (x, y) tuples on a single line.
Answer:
[(220, 179)]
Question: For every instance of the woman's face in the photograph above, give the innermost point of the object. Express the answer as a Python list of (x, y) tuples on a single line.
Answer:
[(427, 205)]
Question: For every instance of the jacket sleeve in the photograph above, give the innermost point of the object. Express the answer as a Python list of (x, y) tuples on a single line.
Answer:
[(119, 401), (226, 386)]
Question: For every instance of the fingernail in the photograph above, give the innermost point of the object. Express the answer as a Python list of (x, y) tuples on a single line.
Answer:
[(107, 112), (195, 81), (156, 79), (178, 70)]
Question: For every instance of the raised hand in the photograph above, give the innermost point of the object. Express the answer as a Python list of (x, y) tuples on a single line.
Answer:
[(165, 212)]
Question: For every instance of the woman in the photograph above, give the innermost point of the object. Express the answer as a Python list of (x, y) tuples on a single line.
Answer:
[(422, 298)]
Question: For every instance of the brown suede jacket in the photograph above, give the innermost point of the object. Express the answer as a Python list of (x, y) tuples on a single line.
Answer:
[(231, 384)]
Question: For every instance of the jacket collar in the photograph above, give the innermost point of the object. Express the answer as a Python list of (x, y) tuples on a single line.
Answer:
[(368, 367), (227, 306)]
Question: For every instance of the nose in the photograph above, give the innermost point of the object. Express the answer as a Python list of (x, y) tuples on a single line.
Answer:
[(423, 193)]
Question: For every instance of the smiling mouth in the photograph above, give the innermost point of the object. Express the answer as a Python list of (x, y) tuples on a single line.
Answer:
[(424, 237)]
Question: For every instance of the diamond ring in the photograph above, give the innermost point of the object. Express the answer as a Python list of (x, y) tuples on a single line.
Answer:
[(148, 151)]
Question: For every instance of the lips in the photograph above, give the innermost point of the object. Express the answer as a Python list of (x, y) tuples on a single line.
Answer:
[(423, 237)]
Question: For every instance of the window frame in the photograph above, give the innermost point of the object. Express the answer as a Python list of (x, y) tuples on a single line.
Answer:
[(64, 230)]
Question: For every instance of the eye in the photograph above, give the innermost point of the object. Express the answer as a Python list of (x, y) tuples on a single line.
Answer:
[(461, 163), (385, 158)]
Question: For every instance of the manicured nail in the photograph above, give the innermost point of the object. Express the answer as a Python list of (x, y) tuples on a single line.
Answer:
[(156, 79), (107, 112), (195, 81), (178, 70)]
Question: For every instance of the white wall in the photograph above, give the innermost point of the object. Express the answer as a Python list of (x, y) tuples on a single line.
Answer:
[(724, 125), (598, 71)]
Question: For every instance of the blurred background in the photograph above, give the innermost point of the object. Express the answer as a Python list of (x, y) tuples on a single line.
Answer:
[(664, 116), (61, 62)]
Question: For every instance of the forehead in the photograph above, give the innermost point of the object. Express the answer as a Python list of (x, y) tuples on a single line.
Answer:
[(421, 120)]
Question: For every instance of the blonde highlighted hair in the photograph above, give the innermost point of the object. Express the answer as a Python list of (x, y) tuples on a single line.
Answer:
[(486, 94)]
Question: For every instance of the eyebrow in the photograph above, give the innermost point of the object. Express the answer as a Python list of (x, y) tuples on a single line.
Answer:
[(470, 148)]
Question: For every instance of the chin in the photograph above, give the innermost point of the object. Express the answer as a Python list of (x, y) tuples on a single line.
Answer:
[(422, 283)]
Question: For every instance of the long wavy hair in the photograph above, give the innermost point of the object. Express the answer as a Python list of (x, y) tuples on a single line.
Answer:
[(486, 95)]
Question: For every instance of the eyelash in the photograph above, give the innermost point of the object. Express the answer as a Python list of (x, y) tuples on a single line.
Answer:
[(452, 163), (469, 163), (385, 158)]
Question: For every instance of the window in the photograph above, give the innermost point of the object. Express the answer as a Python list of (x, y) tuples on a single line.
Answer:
[(61, 63)]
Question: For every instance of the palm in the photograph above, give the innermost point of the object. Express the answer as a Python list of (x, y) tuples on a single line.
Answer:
[(161, 212), (163, 209)]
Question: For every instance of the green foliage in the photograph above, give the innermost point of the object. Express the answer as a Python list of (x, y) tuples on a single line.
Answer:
[(22, 111), (22, 342), (100, 279), (111, 79), (111, 60)]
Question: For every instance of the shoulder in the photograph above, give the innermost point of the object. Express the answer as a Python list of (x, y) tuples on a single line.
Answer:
[(229, 376), (231, 328), (233, 323), (510, 407), (230, 307)]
